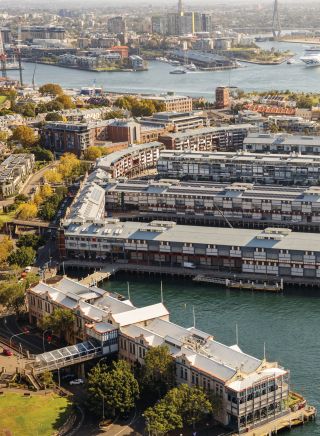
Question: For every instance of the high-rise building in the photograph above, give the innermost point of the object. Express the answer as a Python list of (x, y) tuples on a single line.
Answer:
[(222, 97), (159, 25), (117, 25)]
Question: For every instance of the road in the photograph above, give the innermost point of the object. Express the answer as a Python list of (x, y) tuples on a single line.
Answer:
[(30, 184)]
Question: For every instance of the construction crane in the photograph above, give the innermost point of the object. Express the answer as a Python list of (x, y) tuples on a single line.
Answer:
[(18, 52), (3, 58)]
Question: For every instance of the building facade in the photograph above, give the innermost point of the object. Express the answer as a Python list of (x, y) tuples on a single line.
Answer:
[(282, 143), (172, 102), (251, 391), (13, 173), (242, 204), (240, 167), (224, 138), (270, 253), (131, 161)]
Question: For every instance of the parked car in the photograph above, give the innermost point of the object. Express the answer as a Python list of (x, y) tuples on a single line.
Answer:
[(28, 269), (77, 381), (7, 352)]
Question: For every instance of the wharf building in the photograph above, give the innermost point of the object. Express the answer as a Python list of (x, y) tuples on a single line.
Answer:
[(14, 171), (204, 203), (240, 167), (256, 254), (282, 143), (252, 391), (204, 60), (224, 138), (131, 161)]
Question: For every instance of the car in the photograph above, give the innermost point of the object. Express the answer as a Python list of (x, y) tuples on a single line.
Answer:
[(28, 269), (7, 352), (77, 381)]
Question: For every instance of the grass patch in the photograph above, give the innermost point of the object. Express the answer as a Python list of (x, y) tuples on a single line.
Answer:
[(3, 99), (35, 415), (6, 217)]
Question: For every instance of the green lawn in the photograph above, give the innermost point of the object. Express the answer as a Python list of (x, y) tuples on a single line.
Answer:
[(31, 416), (3, 98)]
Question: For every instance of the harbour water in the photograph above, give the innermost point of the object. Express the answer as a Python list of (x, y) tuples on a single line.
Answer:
[(295, 77), (287, 323)]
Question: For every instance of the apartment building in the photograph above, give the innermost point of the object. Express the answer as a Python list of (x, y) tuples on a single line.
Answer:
[(13, 172), (176, 121), (132, 160), (242, 204), (172, 102), (252, 391), (268, 253), (74, 137), (282, 143), (242, 167), (224, 138)]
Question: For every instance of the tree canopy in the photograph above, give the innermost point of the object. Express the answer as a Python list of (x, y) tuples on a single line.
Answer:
[(116, 386), (51, 89), (139, 107), (93, 152), (66, 101), (159, 369), (60, 321), (54, 116), (183, 405), (24, 135), (27, 211), (6, 246), (22, 257)]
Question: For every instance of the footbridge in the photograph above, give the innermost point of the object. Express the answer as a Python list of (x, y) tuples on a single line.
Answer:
[(67, 356)]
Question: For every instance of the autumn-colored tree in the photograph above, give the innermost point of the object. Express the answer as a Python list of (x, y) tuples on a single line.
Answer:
[(66, 101), (46, 191), (69, 165), (53, 176), (27, 210), (50, 89), (93, 152), (24, 135), (6, 246)]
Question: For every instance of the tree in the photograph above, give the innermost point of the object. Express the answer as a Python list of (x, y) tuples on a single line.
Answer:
[(6, 246), (47, 379), (12, 295), (114, 114), (27, 211), (159, 369), (181, 406), (41, 154), (50, 89), (162, 418), (30, 240), (20, 198), (116, 386), (60, 321), (24, 135), (92, 153), (23, 257), (69, 166), (46, 191), (54, 116), (53, 176), (3, 136), (66, 101)]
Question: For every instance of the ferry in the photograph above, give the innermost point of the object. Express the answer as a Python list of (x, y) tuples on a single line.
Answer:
[(311, 57), (191, 67), (178, 71)]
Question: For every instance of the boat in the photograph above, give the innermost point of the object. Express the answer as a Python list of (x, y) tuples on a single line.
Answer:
[(191, 67), (178, 71), (311, 57), (175, 63)]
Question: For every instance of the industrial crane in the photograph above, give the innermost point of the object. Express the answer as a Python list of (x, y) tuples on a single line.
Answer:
[(3, 58)]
